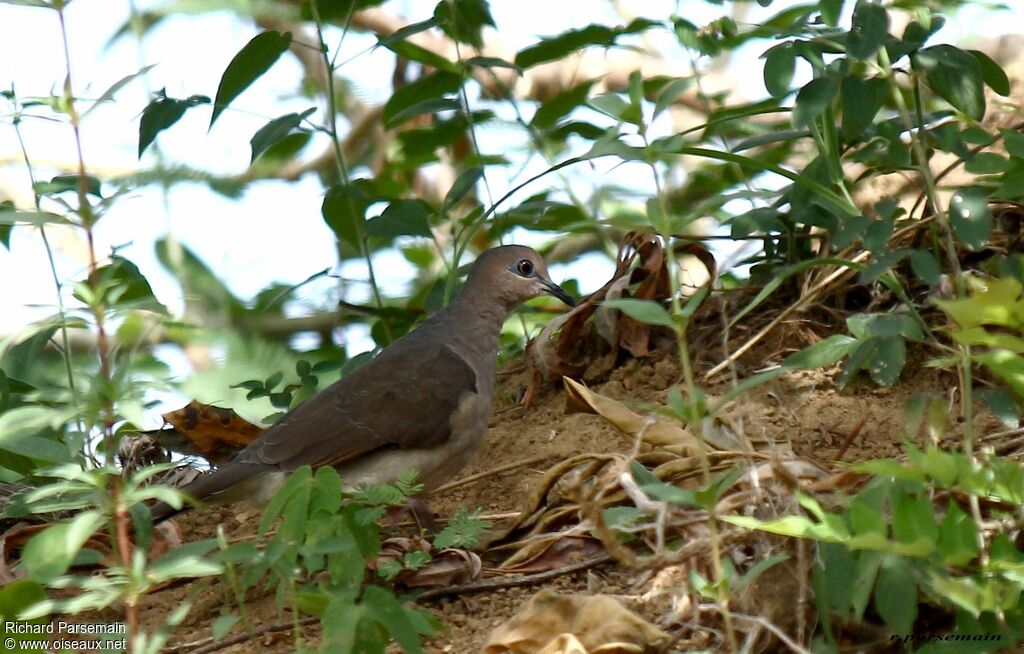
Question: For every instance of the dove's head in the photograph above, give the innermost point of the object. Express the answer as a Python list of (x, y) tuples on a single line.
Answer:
[(512, 274)]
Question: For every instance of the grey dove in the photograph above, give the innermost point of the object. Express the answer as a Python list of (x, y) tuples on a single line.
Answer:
[(423, 403)]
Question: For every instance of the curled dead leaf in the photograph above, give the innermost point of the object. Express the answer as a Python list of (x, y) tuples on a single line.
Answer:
[(198, 429), (552, 623)]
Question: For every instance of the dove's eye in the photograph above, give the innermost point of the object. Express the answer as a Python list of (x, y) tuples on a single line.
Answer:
[(525, 267)]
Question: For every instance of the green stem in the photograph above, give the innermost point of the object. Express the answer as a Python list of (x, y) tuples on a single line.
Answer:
[(339, 154)]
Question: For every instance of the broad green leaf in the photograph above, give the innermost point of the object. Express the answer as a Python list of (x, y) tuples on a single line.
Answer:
[(646, 311), (615, 106), (896, 594), (862, 99), (1014, 142), (161, 113), (401, 218), (955, 76), (992, 73), (254, 59), (275, 130), (791, 525), (434, 86), (870, 30), (19, 429), (779, 66), (813, 99), (51, 552), (971, 217), (430, 106), (409, 50)]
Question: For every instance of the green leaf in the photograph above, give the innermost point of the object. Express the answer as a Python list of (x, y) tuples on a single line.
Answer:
[(924, 265), (913, 518), (109, 94), (822, 354), (161, 113), (830, 11), (896, 595), (551, 110), (275, 130), (17, 596), (887, 361), (62, 183), (344, 210), (409, 50), (992, 73), (668, 95), (51, 552), (646, 311), (11, 216), (463, 184), (1014, 142), (463, 20), (254, 59), (870, 30), (813, 99), (958, 537), (430, 87), (955, 76), (560, 46), (401, 218), (862, 99), (971, 217), (779, 66)]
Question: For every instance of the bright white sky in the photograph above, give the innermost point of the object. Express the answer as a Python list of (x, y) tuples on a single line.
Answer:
[(274, 232)]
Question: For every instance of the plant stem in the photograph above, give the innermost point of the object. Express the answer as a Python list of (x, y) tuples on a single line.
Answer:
[(122, 521), (339, 154)]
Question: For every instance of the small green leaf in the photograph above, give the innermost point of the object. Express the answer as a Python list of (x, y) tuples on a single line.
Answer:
[(254, 59), (668, 95), (887, 361), (830, 11), (275, 130), (955, 76), (924, 265), (992, 73), (813, 99), (62, 183), (862, 99), (971, 217), (555, 108), (463, 20), (161, 113), (646, 311), (779, 66), (344, 210), (558, 47), (434, 86), (401, 218), (463, 184), (870, 30), (822, 354)]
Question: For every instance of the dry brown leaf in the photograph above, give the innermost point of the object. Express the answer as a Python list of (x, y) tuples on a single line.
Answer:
[(562, 552), (214, 433), (653, 430), (551, 623), (446, 568)]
